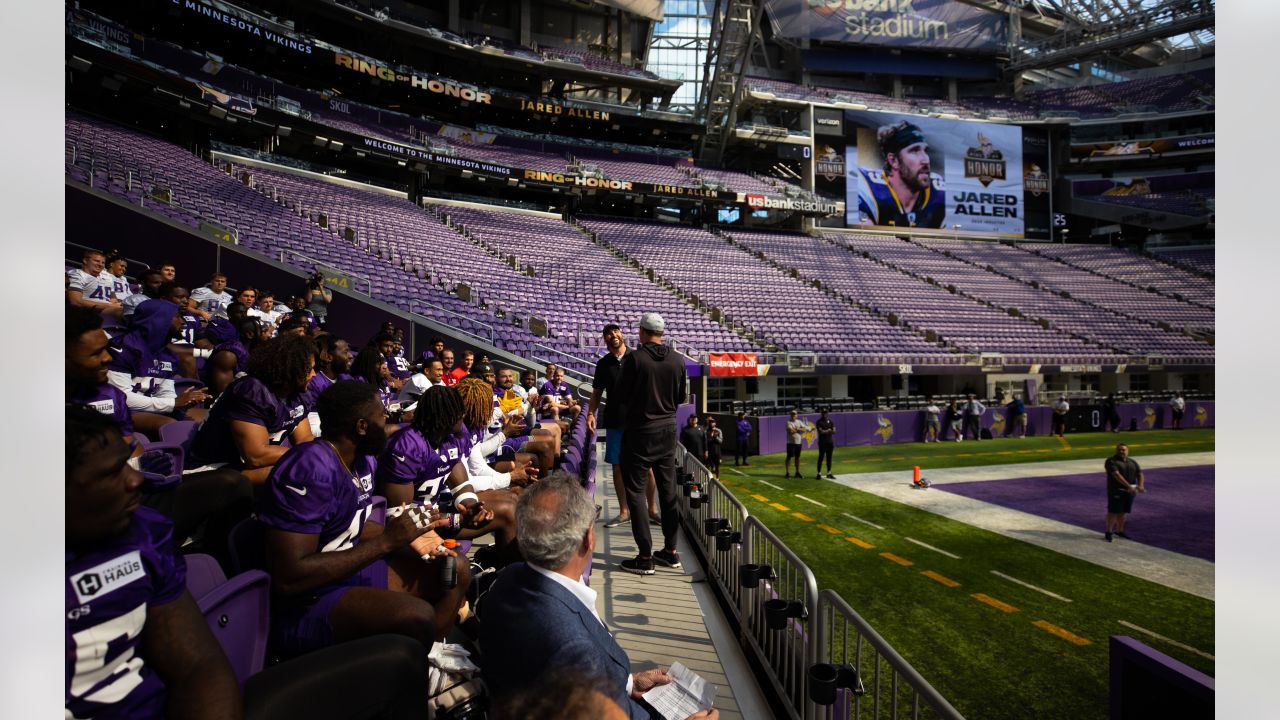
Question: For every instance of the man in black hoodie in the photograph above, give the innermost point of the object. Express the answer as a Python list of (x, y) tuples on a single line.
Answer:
[(651, 384)]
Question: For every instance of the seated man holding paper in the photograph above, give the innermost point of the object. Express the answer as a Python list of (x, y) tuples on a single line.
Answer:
[(555, 519)]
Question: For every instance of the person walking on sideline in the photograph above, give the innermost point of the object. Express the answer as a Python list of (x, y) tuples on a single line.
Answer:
[(744, 434), (1124, 481), (795, 436), (973, 410)]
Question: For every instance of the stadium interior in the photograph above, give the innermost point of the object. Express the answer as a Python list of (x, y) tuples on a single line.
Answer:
[(873, 211)]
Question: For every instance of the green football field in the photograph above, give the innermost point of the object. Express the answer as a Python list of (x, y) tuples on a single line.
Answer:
[(993, 647)]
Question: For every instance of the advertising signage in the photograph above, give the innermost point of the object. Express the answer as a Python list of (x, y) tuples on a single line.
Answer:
[(930, 24), (918, 172)]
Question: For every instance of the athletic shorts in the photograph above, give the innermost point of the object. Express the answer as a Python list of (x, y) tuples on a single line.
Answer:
[(613, 446), (304, 626), (931, 422), (1020, 419), (1119, 502), (793, 451)]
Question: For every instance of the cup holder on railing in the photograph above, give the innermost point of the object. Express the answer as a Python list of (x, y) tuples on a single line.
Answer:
[(825, 679), (778, 611)]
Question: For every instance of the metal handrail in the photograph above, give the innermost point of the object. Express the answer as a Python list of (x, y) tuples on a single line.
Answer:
[(582, 377), (415, 303), (786, 654), (142, 199), (322, 263), (834, 619), (721, 504)]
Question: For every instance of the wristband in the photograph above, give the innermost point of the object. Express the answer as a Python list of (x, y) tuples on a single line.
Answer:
[(201, 352), (457, 502)]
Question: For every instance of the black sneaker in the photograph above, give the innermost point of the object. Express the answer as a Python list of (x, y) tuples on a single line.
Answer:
[(1108, 537), (830, 476), (666, 559), (1126, 537), (638, 566)]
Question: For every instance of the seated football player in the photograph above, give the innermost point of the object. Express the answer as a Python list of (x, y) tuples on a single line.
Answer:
[(143, 366), (149, 282), (137, 646), (252, 417), (336, 575), (87, 358), (483, 412), (426, 458), (230, 358), (371, 366)]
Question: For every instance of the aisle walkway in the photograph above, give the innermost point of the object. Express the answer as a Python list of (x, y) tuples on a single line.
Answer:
[(668, 617), (1181, 572)]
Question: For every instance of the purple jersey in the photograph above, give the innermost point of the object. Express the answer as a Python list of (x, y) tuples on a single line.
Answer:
[(109, 590), (310, 491), (248, 400), (221, 330), (744, 430), (398, 366), (108, 400), (190, 330), (410, 459), (555, 388)]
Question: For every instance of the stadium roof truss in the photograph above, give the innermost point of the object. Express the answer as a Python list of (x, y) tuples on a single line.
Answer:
[(1147, 32)]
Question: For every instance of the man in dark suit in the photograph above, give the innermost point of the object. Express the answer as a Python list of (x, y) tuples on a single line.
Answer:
[(539, 619)]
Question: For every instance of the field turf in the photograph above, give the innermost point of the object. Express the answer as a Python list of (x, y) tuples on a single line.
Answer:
[(993, 647)]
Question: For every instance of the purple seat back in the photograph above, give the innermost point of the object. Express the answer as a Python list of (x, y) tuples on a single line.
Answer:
[(179, 432), (203, 574), (237, 614)]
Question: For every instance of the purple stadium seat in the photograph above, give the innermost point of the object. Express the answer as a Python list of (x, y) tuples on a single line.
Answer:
[(237, 614), (203, 574), (179, 433)]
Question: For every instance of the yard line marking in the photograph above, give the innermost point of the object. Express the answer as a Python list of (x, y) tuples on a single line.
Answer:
[(737, 471), (775, 487), (801, 516), (1171, 641), (944, 580), (830, 529), (815, 502), (761, 498), (864, 522), (930, 547), (860, 543), (1064, 634), (1024, 584), (894, 558), (1063, 442), (779, 506), (987, 599)]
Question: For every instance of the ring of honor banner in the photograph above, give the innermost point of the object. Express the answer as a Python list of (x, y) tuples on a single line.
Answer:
[(933, 24), (925, 173)]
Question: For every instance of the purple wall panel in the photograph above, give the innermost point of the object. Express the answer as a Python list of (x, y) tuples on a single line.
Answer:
[(903, 426)]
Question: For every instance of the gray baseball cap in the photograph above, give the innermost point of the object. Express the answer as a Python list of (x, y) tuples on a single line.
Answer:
[(653, 322)]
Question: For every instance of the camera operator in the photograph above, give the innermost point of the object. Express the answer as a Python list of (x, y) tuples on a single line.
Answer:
[(318, 298)]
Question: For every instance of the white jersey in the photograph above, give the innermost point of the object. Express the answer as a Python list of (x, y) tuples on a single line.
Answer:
[(90, 286), (211, 302), (119, 285)]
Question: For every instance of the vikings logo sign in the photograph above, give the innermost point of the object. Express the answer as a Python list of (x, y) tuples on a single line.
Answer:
[(1202, 415), (984, 162), (997, 423), (884, 429), (810, 433), (1149, 418)]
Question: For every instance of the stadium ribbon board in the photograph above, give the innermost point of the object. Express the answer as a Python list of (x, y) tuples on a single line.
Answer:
[(950, 175), (934, 24)]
